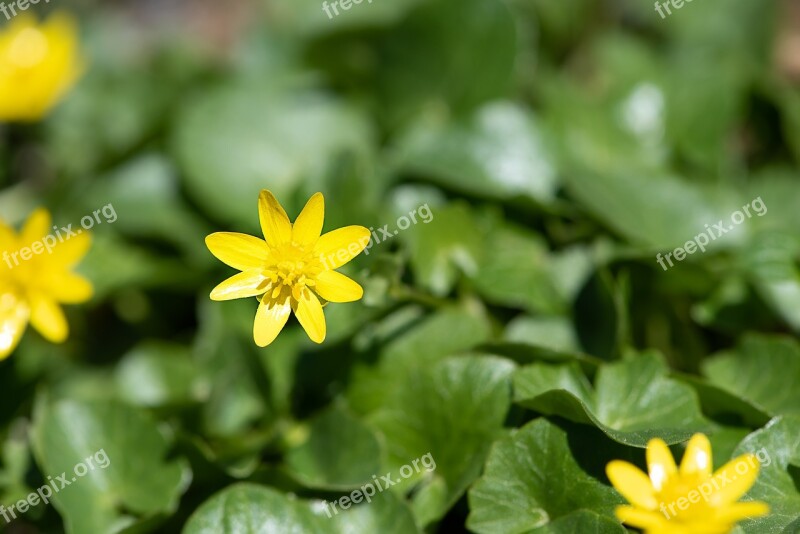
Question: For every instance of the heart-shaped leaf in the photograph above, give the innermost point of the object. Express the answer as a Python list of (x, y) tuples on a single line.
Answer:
[(632, 400), (763, 371), (137, 481), (453, 410), (532, 484)]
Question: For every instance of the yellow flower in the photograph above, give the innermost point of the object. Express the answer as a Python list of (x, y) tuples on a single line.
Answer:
[(689, 500), (35, 278), (290, 271), (38, 64)]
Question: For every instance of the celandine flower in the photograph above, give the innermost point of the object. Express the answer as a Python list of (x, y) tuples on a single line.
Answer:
[(35, 279), (689, 500), (290, 271), (38, 64)]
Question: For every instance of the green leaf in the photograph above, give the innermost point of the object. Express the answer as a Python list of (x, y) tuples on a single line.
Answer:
[(721, 403), (245, 508), (777, 447), (770, 263), (499, 153), (555, 333), (141, 199), (386, 513), (421, 345), (532, 483), (231, 148), (157, 374), (340, 452), (763, 370), (430, 58), (452, 244), (632, 400), (137, 482), (516, 270), (453, 410), (229, 369), (309, 17)]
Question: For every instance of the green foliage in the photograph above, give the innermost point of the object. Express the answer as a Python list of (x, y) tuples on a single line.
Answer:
[(522, 336)]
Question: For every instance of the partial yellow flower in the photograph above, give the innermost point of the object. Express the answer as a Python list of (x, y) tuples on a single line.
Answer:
[(39, 63), (689, 500), (292, 269), (35, 278)]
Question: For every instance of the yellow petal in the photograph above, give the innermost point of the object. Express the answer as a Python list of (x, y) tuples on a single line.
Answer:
[(735, 478), (66, 287), (69, 252), (8, 238), (309, 312), (697, 458), (245, 284), (643, 519), (660, 463), (742, 510), (632, 484), (240, 251), (705, 527), (308, 226), (14, 315), (270, 319), (340, 246), (36, 227), (40, 64), (48, 318), (336, 287), (274, 222)]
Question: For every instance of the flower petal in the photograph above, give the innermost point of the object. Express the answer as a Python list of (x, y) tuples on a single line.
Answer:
[(66, 287), (36, 227), (639, 518), (308, 226), (8, 238), (340, 246), (660, 463), (336, 287), (240, 251), (742, 510), (274, 222), (248, 283), (733, 483), (72, 250), (48, 318), (271, 317), (309, 312), (632, 483), (14, 315), (697, 458)]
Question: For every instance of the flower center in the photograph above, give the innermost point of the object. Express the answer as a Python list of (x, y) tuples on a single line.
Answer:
[(291, 270), (683, 500)]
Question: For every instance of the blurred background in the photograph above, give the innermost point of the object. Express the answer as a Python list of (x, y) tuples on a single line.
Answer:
[(559, 147)]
